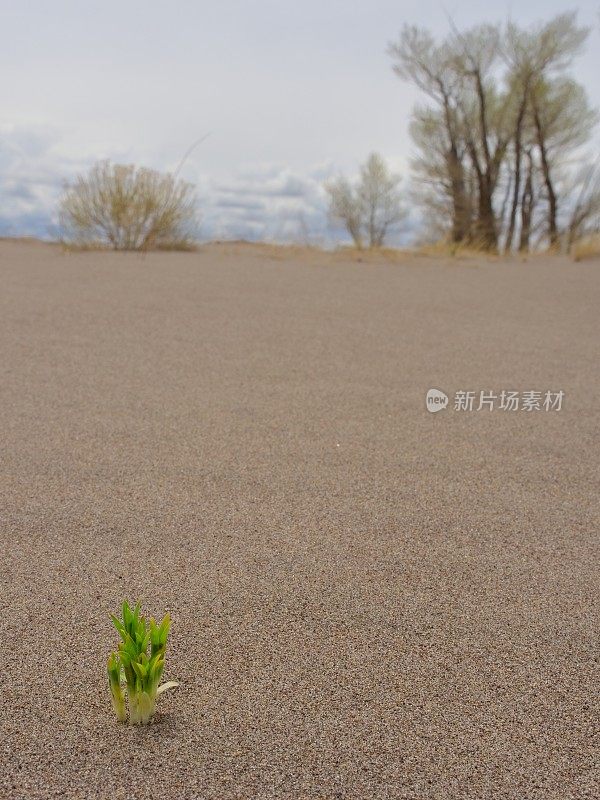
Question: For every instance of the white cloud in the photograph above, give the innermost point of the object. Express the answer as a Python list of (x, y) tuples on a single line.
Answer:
[(31, 178), (267, 201), (261, 201)]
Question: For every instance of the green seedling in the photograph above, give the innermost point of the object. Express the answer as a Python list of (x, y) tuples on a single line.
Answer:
[(136, 668)]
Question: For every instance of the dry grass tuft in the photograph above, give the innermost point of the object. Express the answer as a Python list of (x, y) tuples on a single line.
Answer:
[(586, 248), (372, 255), (446, 249)]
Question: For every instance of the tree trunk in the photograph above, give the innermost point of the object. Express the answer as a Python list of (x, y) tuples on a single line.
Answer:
[(517, 176), (486, 233), (460, 214), (507, 196), (486, 229), (527, 202), (488, 236), (552, 200), (372, 232)]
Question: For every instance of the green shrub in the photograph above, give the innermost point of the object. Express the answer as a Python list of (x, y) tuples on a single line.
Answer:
[(136, 669)]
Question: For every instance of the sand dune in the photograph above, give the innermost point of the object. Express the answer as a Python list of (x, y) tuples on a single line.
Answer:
[(368, 600)]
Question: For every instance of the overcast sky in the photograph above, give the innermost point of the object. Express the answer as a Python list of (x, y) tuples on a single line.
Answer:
[(290, 92)]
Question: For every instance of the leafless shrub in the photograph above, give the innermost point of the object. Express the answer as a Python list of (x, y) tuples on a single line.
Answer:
[(369, 209), (123, 207)]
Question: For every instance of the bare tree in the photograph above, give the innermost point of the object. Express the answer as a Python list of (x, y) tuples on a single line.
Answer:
[(584, 217), (344, 207), (431, 68), (519, 52), (501, 108), (128, 208), (563, 121), (372, 207), (443, 180), (533, 56), (486, 114), (459, 76)]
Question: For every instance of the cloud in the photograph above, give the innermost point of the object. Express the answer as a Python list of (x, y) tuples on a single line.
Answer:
[(265, 201), (239, 203), (32, 173), (267, 184), (260, 201)]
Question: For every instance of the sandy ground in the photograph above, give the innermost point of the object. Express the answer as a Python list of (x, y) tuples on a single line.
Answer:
[(368, 600)]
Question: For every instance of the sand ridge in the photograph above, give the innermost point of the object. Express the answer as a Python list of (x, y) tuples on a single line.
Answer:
[(368, 601)]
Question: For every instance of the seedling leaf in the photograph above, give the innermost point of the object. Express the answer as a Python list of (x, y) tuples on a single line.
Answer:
[(167, 685)]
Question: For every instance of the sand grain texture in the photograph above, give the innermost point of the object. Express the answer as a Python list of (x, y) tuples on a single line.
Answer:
[(368, 601)]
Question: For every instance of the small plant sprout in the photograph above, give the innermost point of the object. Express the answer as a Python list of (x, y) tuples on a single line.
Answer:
[(114, 680), (131, 666)]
